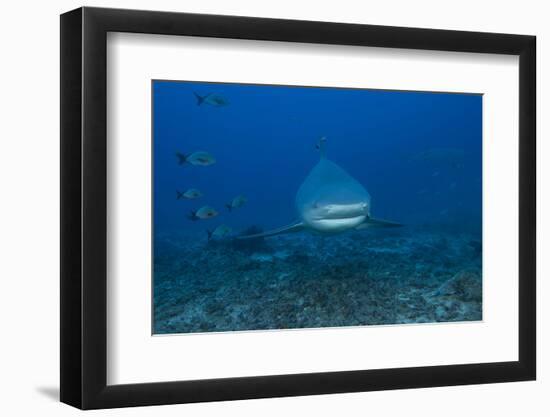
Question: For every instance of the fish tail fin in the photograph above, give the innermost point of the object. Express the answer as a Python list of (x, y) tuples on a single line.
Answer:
[(200, 99), (192, 216), (229, 207), (321, 146), (179, 195), (182, 158), (209, 233)]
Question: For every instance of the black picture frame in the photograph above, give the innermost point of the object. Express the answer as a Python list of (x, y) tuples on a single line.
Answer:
[(84, 207)]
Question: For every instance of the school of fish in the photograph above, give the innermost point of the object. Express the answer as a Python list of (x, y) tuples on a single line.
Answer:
[(205, 159)]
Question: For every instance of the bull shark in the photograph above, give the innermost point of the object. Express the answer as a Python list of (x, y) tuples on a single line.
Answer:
[(330, 202)]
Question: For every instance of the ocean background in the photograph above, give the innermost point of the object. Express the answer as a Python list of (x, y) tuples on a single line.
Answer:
[(419, 155)]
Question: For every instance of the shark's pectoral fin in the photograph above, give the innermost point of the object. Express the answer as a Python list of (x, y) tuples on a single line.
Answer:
[(292, 228), (371, 223)]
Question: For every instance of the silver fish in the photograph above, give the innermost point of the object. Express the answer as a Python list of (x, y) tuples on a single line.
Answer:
[(237, 202), (190, 194), (200, 158), (219, 232), (204, 212)]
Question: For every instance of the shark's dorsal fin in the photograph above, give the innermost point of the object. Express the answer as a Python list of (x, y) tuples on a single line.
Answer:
[(291, 228)]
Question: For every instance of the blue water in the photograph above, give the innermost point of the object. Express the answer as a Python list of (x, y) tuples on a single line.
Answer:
[(419, 155)]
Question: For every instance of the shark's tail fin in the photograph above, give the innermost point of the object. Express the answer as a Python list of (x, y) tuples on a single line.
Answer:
[(321, 146), (200, 99), (179, 195), (182, 158)]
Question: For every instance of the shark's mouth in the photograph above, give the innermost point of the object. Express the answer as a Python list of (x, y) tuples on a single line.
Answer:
[(336, 218), (341, 211), (336, 225)]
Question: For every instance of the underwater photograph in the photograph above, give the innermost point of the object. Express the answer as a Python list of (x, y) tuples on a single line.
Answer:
[(292, 207)]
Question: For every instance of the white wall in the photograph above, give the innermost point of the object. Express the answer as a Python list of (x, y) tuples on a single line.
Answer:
[(29, 175)]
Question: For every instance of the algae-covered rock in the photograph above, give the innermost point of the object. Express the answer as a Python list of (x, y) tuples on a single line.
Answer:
[(307, 281), (465, 285), (261, 257)]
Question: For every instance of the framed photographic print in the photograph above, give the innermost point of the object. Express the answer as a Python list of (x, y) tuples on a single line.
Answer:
[(257, 208)]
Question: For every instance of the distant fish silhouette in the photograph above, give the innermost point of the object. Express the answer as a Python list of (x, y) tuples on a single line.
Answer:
[(219, 232), (203, 213), (449, 156), (213, 99), (237, 202), (189, 194), (199, 158), (330, 201)]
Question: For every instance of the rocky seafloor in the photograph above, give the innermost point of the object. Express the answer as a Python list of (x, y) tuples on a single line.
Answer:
[(405, 275)]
